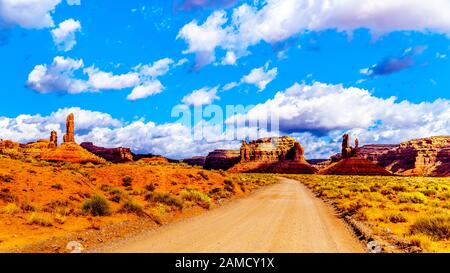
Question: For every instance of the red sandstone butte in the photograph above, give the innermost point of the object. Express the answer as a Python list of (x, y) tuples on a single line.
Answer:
[(273, 155)]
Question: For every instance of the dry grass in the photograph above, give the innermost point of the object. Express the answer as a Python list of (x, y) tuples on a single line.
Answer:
[(55, 199), (416, 209)]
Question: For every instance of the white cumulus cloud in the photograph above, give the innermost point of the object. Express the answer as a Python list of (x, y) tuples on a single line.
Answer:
[(203, 96), (64, 34), (28, 13), (145, 90), (278, 20), (66, 75), (261, 77)]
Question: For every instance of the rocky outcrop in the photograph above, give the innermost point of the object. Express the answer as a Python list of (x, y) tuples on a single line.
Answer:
[(154, 160), (425, 156), (69, 137), (137, 157), (222, 159), (354, 166), (347, 150), (53, 140), (319, 163), (271, 149), (273, 155), (115, 155), (72, 153), (195, 161), (352, 162)]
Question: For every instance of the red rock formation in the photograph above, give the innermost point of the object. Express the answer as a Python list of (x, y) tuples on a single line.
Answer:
[(70, 152), (354, 166), (195, 161), (155, 159), (221, 159), (53, 140), (347, 150), (426, 156), (273, 155), (70, 129), (115, 155)]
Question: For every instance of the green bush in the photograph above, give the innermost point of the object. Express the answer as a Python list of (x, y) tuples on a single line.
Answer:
[(127, 181), (397, 218), (37, 219), (437, 227), (165, 198), (412, 197), (96, 206), (132, 207), (11, 208), (150, 187), (196, 196)]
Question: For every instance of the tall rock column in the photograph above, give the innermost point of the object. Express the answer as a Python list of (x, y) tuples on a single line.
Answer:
[(70, 129)]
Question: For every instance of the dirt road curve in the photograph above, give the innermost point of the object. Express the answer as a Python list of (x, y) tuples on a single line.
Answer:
[(285, 217)]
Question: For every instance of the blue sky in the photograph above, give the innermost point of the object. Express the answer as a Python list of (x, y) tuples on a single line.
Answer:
[(89, 65)]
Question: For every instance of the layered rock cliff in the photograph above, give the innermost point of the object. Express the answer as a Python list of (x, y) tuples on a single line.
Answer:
[(115, 155), (273, 155), (425, 156)]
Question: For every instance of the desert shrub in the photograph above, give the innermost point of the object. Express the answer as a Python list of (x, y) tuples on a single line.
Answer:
[(59, 218), (396, 218), (27, 206), (196, 196), (116, 195), (353, 207), (420, 241), (398, 188), (159, 210), (127, 181), (228, 185), (428, 192), (96, 206), (105, 187), (57, 186), (219, 193), (38, 219), (11, 208), (437, 227), (165, 198), (203, 175), (7, 196), (150, 187), (412, 197), (132, 207), (6, 178), (56, 205), (444, 196), (385, 191)]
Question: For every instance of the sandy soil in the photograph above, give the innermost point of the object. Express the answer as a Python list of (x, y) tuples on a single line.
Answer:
[(285, 217)]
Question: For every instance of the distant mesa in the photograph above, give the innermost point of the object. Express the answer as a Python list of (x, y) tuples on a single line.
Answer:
[(350, 163), (222, 159), (195, 161), (273, 155), (115, 155), (419, 157)]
